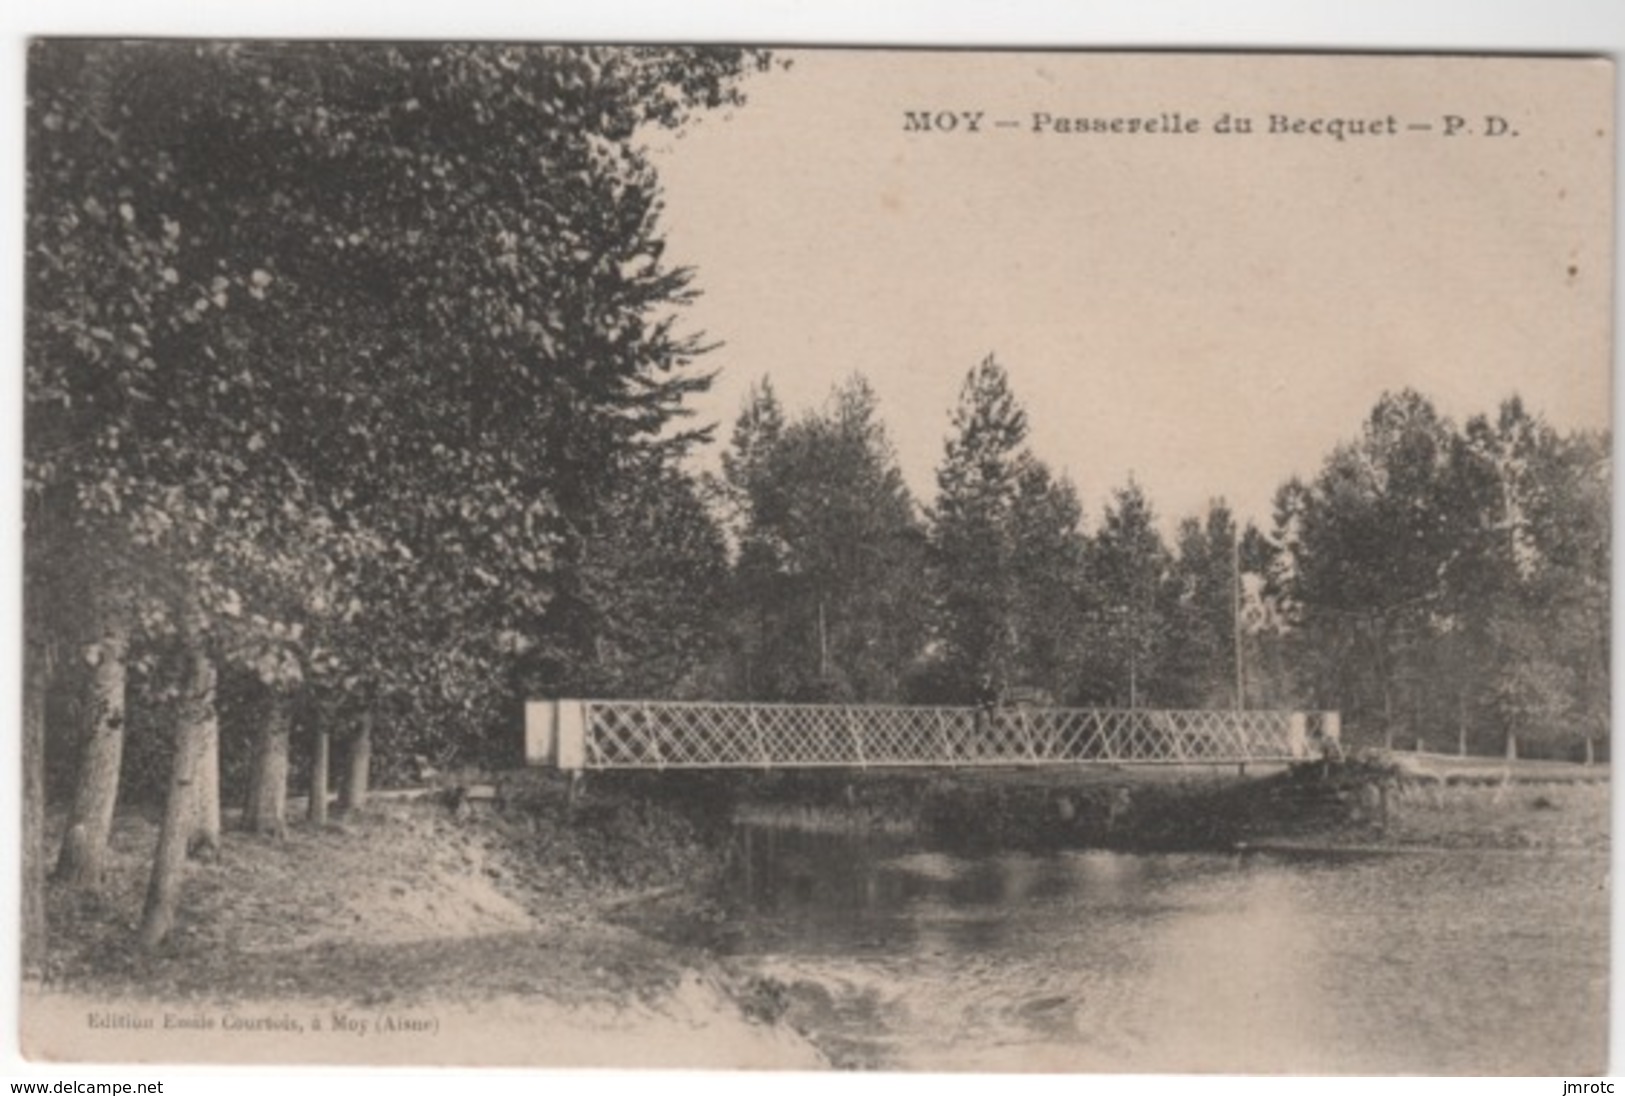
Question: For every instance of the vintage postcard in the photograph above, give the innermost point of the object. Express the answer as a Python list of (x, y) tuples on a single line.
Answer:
[(818, 559)]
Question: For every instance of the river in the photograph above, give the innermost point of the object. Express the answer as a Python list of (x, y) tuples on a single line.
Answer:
[(1418, 963)]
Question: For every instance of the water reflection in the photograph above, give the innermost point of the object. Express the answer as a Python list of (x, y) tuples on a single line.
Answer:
[(903, 957)]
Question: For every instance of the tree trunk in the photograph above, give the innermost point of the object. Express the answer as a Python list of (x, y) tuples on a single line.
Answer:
[(1461, 727), (84, 843), (1591, 751), (1376, 633), (37, 677), (204, 843), (353, 794), (1387, 716), (180, 808), (251, 787), (318, 774), (1512, 745), (269, 815)]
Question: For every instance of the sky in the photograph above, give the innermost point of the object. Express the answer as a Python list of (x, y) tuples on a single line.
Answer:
[(1207, 313)]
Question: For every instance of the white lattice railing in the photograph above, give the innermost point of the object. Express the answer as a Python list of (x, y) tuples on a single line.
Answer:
[(664, 734)]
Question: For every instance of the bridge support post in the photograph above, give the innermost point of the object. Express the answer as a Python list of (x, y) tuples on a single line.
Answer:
[(572, 735), (857, 736), (1297, 736), (556, 734), (1331, 733), (541, 733)]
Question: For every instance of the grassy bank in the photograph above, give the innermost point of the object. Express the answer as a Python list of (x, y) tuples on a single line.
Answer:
[(1374, 800), (1406, 802), (1397, 801)]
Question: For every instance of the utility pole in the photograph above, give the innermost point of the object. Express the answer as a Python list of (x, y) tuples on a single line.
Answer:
[(1134, 655), (823, 643), (1235, 613)]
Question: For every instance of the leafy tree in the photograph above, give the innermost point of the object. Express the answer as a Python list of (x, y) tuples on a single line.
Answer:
[(1048, 561), (1203, 604), (749, 491), (1008, 557), (335, 353), (1441, 579), (1529, 593), (973, 536), (746, 463), (1278, 668), (1128, 574), (655, 570), (1572, 521), (828, 598), (1363, 548)]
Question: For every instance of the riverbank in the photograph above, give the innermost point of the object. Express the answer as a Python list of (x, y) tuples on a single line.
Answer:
[(1398, 801), (526, 926), (1411, 803), (441, 931)]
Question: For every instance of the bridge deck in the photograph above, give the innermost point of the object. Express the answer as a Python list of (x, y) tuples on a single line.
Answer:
[(648, 734)]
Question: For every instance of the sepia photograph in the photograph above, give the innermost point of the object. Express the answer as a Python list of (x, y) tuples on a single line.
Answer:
[(743, 557)]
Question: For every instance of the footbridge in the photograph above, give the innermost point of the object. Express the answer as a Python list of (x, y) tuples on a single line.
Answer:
[(578, 735)]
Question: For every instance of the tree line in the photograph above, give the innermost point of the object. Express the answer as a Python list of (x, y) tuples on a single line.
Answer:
[(348, 368), (1434, 583), (356, 415)]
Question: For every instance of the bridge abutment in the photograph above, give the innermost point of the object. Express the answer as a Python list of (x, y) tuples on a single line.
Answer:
[(556, 734)]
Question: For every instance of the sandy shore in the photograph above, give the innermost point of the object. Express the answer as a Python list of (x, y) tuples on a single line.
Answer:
[(415, 934)]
